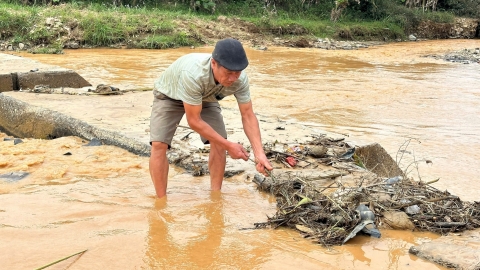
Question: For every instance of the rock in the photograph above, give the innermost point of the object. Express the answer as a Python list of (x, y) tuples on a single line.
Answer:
[(17, 141), (465, 56), (412, 38), (42, 89), (71, 45), (318, 151), (13, 176), (230, 173), (301, 43), (49, 21), (103, 89), (453, 251), (94, 142), (396, 220)]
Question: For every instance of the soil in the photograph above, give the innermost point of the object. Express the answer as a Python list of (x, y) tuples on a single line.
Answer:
[(208, 32), (293, 35)]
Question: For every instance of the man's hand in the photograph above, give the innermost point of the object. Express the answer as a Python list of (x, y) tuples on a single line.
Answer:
[(236, 151), (263, 165)]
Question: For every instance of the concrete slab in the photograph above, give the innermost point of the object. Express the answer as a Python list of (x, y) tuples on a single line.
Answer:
[(20, 73)]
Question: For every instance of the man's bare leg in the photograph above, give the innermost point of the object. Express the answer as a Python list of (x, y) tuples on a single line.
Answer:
[(159, 167), (216, 165)]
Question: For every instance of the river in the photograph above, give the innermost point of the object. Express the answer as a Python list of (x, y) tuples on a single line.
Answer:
[(101, 199)]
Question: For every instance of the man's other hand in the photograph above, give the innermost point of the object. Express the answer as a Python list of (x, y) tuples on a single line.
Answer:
[(236, 151), (262, 164)]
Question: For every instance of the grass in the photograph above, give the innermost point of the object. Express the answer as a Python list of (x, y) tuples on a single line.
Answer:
[(161, 27), (103, 29), (164, 42)]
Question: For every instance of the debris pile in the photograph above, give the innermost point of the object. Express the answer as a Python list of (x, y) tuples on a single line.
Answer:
[(103, 89), (328, 191)]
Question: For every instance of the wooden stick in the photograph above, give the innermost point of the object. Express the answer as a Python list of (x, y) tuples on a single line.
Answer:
[(449, 224), (422, 202), (329, 186), (184, 127), (431, 182), (55, 262)]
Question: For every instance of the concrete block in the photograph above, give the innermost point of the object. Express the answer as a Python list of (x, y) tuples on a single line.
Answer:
[(54, 79), (376, 159), (6, 82)]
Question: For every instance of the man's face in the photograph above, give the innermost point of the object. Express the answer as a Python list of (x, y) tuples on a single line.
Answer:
[(224, 76)]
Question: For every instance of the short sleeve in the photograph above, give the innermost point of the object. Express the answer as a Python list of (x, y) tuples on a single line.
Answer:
[(243, 93)]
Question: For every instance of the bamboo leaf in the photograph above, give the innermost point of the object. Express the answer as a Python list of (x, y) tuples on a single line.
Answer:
[(304, 201)]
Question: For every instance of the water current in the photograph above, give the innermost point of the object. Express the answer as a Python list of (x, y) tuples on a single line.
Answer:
[(101, 198)]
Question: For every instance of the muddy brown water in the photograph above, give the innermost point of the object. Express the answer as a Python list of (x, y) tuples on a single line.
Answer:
[(101, 198)]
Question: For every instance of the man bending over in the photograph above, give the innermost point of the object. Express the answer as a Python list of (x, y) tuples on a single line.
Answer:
[(193, 85)]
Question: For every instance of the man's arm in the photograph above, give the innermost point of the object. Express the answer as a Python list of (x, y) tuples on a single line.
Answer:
[(252, 130), (196, 122)]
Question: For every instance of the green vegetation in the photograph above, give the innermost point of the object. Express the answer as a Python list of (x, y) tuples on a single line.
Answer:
[(46, 26)]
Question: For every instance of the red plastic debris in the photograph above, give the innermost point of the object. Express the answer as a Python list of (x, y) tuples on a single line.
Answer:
[(291, 161)]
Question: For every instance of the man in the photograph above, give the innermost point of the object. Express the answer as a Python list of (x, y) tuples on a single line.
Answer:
[(192, 85)]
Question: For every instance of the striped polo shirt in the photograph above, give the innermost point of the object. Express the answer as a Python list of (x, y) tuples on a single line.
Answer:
[(190, 79)]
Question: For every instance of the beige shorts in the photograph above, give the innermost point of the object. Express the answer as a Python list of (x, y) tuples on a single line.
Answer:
[(167, 114)]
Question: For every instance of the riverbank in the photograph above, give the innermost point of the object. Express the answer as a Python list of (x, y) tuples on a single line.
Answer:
[(51, 29)]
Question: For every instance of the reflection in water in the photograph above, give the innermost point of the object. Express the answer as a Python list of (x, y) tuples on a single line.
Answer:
[(195, 251), (188, 233)]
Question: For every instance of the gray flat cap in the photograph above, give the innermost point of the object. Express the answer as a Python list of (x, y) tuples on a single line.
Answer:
[(230, 54)]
